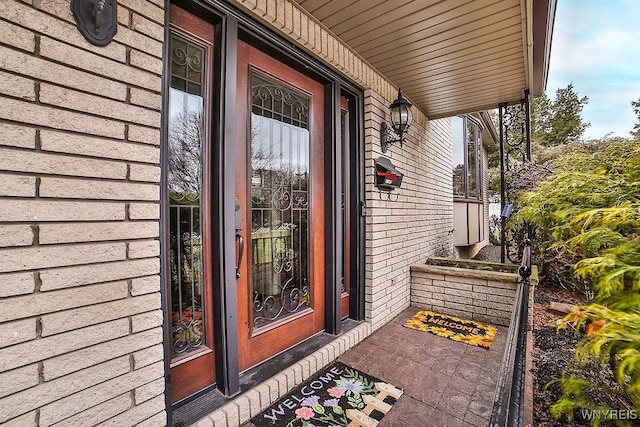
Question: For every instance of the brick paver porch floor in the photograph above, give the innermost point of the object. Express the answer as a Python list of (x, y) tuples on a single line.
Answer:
[(445, 383)]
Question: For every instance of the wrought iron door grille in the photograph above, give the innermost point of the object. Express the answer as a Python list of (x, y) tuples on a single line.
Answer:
[(280, 162), (186, 136)]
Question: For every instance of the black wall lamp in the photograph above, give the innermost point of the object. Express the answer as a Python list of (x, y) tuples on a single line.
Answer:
[(401, 118)]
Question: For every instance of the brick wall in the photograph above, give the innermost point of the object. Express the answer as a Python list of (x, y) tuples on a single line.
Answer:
[(411, 223), (80, 335), (473, 289), (472, 294), (415, 224)]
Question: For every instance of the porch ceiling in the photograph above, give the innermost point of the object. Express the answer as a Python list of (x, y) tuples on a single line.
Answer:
[(448, 56)]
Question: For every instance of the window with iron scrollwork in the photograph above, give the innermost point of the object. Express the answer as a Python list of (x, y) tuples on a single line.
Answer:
[(280, 160), (184, 180)]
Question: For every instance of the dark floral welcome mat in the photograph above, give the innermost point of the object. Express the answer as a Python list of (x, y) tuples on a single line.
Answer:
[(336, 396), (454, 328)]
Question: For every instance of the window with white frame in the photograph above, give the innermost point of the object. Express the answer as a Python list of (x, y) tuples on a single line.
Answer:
[(467, 173)]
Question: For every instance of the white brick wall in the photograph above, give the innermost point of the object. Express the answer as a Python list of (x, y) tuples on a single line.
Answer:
[(484, 294), (79, 208), (415, 223), (80, 336), (472, 294)]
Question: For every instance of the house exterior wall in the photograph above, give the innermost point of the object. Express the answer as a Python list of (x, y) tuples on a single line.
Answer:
[(80, 307), (473, 250), (486, 296), (416, 222), (470, 251), (413, 222), (80, 318)]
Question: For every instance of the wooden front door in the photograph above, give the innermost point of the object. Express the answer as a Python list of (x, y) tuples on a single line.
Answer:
[(280, 190), (187, 216)]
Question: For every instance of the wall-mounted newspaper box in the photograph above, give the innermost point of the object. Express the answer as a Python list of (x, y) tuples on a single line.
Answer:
[(387, 176)]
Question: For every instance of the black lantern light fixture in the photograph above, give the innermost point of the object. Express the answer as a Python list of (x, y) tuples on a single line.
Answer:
[(401, 118)]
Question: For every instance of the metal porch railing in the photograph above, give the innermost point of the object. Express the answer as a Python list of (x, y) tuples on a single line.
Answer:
[(508, 406)]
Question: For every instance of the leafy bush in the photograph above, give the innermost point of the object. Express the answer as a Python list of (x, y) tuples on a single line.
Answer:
[(586, 206), (589, 212)]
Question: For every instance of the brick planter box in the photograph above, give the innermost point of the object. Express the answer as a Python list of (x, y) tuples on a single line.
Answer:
[(474, 290)]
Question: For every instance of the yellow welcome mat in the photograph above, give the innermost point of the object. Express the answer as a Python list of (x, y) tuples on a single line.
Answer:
[(454, 328)]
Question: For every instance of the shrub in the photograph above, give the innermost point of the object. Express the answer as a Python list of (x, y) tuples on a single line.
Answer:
[(567, 209), (589, 211)]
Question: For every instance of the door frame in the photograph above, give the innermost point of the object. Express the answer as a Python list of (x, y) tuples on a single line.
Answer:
[(232, 24)]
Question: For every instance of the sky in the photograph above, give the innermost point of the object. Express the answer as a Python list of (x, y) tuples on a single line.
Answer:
[(596, 45)]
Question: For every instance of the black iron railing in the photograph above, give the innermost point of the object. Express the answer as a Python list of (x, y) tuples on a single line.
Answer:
[(515, 154), (508, 406)]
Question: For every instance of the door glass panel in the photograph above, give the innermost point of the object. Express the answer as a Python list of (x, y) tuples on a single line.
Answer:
[(186, 136), (279, 201)]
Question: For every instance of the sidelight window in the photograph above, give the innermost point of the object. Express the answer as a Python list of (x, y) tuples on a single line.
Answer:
[(186, 138)]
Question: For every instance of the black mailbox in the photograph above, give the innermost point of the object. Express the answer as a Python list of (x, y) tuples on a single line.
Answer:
[(387, 176)]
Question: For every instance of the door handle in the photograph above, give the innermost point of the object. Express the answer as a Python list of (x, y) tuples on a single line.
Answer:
[(238, 221), (240, 240)]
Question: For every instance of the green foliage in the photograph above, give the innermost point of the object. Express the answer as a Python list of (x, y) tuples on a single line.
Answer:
[(577, 401), (636, 110), (613, 336), (559, 122), (557, 128), (575, 388), (589, 211)]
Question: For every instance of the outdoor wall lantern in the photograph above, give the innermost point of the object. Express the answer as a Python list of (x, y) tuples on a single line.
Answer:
[(96, 19), (401, 118)]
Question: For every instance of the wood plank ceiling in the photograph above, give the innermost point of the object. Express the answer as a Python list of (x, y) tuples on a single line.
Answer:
[(448, 56)]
